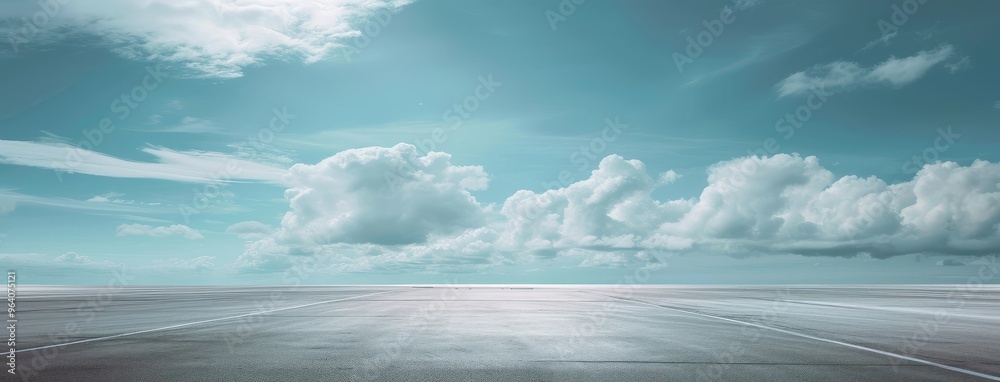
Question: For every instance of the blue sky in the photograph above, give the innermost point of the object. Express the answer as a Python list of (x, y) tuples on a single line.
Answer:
[(750, 141)]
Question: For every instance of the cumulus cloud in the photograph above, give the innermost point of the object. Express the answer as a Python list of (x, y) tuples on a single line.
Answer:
[(183, 166), (669, 177), (389, 210), (744, 197), (844, 74), (380, 195), (381, 210), (611, 209), (788, 204), (73, 257), (250, 230), (218, 38), (176, 230)]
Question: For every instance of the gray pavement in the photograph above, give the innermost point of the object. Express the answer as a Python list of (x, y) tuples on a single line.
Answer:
[(474, 333)]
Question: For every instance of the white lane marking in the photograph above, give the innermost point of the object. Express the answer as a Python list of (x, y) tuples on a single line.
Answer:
[(859, 347), (196, 323), (891, 309)]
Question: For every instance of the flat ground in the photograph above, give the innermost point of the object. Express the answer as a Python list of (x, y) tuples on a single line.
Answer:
[(473, 333)]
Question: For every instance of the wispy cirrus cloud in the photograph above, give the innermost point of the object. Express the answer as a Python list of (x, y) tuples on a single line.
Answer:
[(841, 75), (9, 200), (191, 125), (182, 166), (746, 4), (884, 40), (179, 230)]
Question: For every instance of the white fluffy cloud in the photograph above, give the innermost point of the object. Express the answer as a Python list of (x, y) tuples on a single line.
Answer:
[(388, 210), (380, 195), (73, 257), (844, 74), (178, 230), (382, 210), (745, 198), (611, 209), (789, 204), (218, 38)]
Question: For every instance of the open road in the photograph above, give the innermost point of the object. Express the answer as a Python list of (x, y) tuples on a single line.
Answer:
[(509, 333)]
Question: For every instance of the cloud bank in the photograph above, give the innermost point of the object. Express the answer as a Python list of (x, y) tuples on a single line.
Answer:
[(347, 216)]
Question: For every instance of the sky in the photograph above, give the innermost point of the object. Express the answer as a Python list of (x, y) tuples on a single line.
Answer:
[(456, 141)]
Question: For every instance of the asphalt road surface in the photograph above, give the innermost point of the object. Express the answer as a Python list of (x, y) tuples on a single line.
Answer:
[(480, 333)]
